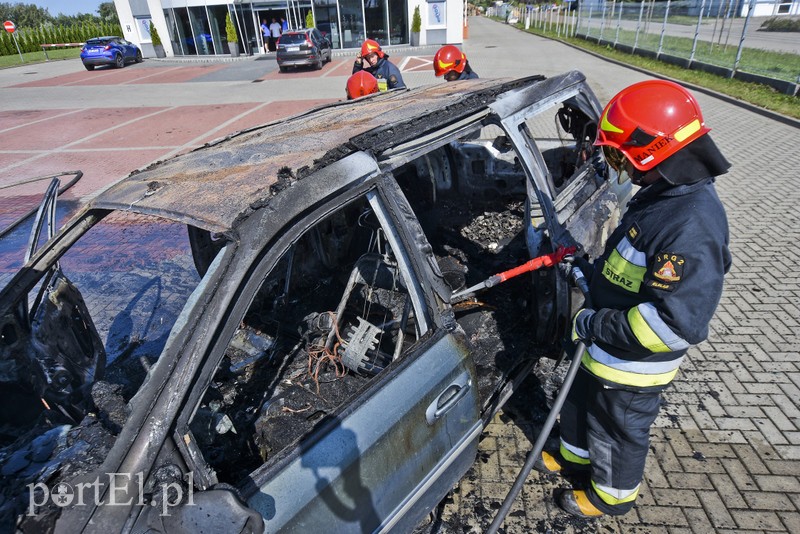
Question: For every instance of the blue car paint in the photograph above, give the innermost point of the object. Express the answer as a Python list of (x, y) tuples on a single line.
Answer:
[(99, 51)]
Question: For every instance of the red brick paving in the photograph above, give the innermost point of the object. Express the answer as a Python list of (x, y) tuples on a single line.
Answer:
[(100, 168), (66, 130), (126, 76), (107, 144), (15, 118)]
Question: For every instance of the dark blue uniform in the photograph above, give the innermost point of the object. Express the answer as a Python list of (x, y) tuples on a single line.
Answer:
[(655, 289), (386, 72), (468, 74)]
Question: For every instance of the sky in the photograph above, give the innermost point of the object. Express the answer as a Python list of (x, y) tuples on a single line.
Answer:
[(67, 7)]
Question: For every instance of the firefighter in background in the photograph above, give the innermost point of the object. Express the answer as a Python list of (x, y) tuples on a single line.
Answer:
[(653, 292), (362, 83), (375, 61), (451, 63)]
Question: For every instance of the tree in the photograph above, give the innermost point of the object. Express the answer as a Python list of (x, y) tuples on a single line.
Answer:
[(108, 12), (25, 15), (416, 21), (154, 35), (230, 30)]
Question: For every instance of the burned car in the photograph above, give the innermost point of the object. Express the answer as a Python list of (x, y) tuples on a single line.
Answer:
[(260, 334)]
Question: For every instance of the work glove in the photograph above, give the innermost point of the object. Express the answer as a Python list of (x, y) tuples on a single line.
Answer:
[(582, 326), (586, 267)]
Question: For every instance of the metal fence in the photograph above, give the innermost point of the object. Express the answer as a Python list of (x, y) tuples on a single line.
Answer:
[(703, 34)]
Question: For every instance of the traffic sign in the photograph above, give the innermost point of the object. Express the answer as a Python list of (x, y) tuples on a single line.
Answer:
[(9, 26)]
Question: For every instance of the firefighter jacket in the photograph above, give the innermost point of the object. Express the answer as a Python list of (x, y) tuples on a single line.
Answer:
[(468, 74), (657, 284), (386, 72)]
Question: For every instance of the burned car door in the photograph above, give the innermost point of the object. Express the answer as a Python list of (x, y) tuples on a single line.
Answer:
[(574, 198), (340, 399)]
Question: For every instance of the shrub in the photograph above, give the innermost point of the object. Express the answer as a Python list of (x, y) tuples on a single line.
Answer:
[(780, 24), (416, 21), (230, 30), (154, 35)]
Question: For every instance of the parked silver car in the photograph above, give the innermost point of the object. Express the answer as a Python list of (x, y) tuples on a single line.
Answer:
[(259, 334)]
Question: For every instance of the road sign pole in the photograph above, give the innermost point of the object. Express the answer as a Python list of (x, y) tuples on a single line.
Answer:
[(14, 35), (11, 28)]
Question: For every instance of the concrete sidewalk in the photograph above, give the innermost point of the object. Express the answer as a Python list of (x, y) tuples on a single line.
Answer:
[(726, 448)]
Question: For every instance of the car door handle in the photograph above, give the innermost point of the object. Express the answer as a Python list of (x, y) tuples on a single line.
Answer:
[(448, 398)]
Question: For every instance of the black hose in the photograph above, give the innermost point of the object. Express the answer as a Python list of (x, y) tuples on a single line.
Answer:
[(540, 441), (536, 450)]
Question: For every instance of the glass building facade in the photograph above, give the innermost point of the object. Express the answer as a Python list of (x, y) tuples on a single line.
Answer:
[(198, 30)]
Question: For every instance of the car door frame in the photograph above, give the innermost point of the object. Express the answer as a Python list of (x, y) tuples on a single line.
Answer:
[(455, 390), (558, 216)]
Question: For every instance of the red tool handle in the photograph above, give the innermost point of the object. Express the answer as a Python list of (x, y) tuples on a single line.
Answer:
[(548, 260)]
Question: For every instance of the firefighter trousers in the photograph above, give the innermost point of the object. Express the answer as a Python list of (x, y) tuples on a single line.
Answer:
[(609, 429)]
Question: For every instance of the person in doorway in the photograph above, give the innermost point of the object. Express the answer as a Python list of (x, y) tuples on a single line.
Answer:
[(265, 34), (362, 83), (653, 292), (274, 34), (284, 25), (375, 61), (451, 63)]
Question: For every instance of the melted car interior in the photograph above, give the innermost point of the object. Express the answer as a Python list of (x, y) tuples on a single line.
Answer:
[(335, 311)]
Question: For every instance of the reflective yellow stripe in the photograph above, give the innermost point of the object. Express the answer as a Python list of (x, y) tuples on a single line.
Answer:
[(644, 333), (606, 125), (383, 85), (686, 131), (618, 497), (626, 378), (569, 456), (623, 273)]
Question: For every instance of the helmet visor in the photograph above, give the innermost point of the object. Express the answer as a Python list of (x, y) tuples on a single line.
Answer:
[(614, 157)]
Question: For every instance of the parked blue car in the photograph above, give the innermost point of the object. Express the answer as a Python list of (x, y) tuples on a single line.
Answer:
[(109, 50)]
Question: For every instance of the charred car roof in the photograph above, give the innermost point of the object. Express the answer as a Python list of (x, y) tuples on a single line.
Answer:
[(194, 188)]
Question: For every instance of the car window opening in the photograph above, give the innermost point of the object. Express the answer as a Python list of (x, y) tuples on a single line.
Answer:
[(566, 141), (99, 320), (330, 316), (470, 198)]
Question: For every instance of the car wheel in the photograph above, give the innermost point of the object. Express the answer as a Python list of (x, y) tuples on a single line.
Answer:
[(119, 61), (89, 67), (139, 56), (318, 65)]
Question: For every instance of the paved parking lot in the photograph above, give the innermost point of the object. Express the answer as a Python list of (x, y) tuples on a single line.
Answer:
[(725, 453)]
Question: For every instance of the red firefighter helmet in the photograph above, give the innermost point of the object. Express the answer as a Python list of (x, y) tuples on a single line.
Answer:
[(369, 46), (449, 58), (362, 83), (649, 122)]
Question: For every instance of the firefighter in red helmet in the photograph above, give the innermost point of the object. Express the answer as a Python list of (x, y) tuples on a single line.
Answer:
[(653, 292), (375, 61), (362, 83), (451, 63)]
